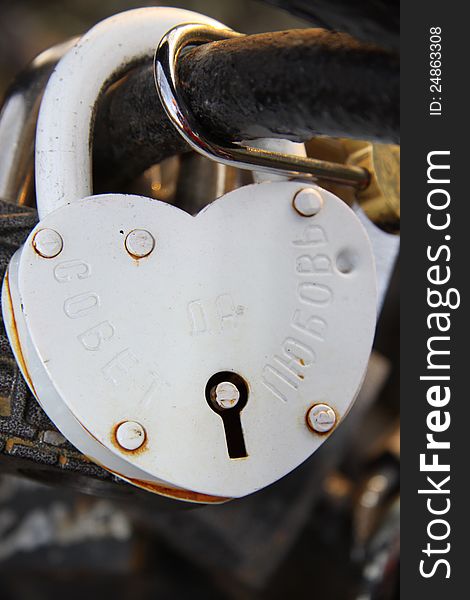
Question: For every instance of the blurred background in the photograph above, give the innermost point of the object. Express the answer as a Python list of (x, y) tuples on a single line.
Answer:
[(328, 530), (29, 26)]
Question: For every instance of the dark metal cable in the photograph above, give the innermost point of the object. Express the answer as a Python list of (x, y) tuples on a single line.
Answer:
[(293, 84), (376, 21)]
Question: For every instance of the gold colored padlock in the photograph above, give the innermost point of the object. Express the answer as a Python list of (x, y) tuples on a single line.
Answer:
[(381, 199)]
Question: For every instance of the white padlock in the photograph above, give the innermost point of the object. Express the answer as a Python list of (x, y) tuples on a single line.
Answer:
[(201, 357)]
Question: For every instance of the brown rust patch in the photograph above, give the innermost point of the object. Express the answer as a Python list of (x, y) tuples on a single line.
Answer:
[(113, 440), (162, 490), (167, 491), (178, 493), (15, 339), (136, 258), (322, 433), (150, 486), (140, 450)]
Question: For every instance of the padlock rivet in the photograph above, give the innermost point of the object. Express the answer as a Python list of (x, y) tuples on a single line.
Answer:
[(130, 435), (225, 394), (139, 243), (48, 243), (307, 202), (321, 418)]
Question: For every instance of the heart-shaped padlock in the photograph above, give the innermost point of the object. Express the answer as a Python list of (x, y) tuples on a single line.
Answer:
[(200, 357)]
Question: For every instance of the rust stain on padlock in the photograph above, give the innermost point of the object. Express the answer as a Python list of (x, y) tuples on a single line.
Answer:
[(162, 490), (322, 433), (115, 443), (167, 491), (15, 339), (140, 450), (178, 493)]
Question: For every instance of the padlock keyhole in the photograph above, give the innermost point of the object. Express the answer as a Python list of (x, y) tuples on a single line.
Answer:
[(227, 395)]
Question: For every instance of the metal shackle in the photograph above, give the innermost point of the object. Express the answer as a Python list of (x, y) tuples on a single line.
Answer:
[(65, 124)]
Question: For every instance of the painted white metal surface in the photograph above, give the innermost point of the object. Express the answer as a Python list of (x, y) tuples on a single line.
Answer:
[(64, 132), (248, 285), (121, 324)]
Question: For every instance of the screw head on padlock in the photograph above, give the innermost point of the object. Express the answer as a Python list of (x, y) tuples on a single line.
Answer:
[(182, 353)]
